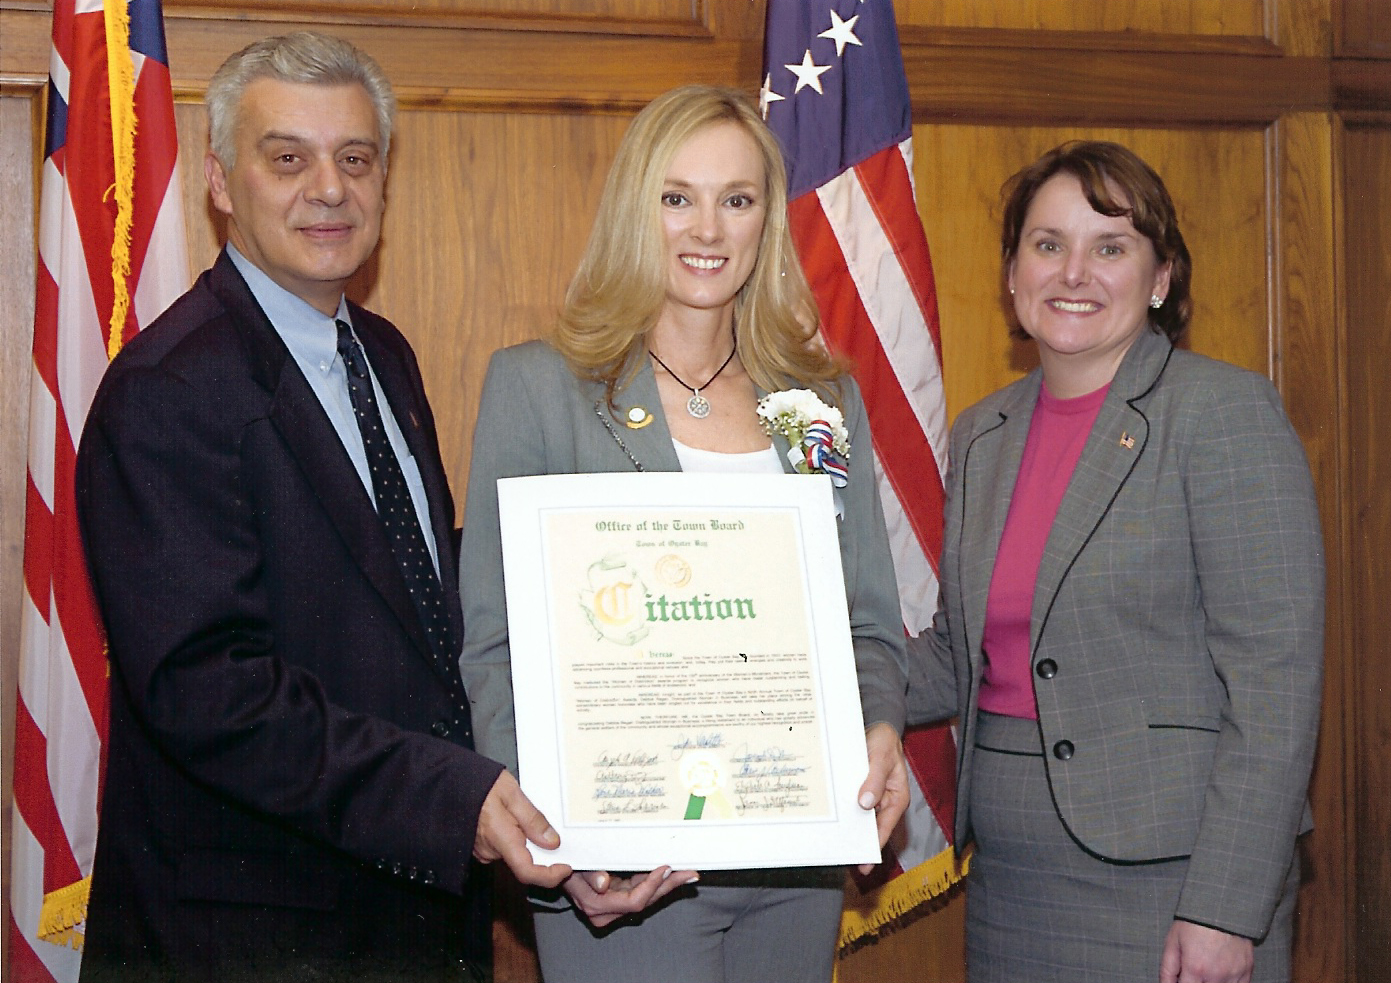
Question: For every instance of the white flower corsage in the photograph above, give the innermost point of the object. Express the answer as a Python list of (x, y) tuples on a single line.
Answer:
[(820, 443)]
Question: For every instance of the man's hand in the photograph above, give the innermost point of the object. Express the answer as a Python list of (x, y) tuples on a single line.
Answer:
[(506, 822), (604, 898), (1198, 954), (886, 789)]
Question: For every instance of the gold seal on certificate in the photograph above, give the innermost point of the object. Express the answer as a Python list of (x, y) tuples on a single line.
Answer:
[(682, 670)]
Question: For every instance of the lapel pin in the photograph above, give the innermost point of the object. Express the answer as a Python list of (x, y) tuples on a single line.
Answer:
[(637, 418), (1127, 441)]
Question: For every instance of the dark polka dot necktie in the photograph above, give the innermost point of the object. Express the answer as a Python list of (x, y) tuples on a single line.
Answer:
[(397, 511)]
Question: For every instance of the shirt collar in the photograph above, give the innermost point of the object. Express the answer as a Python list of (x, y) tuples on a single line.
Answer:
[(310, 334)]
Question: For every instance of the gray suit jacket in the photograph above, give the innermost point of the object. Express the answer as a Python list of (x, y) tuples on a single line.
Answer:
[(1177, 627), (536, 417)]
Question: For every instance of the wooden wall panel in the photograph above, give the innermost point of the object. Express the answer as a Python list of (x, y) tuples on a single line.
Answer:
[(931, 948), (1192, 17), (1365, 711), (18, 116), (457, 64), (614, 16), (1307, 367), (1302, 27), (486, 219), (1365, 29), (1179, 27)]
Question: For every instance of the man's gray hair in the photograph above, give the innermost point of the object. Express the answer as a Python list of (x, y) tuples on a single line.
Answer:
[(306, 57)]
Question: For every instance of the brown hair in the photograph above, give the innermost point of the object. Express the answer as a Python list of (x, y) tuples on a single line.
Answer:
[(619, 289), (1103, 168)]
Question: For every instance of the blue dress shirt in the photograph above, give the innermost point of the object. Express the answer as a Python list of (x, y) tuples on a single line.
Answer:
[(312, 338)]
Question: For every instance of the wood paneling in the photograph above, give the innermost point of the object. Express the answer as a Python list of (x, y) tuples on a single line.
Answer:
[(496, 66), (607, 16), (517, 194), (929, 949), (1021, 83), (1362, 86), (1365, 710), (1298, 27), (18, 117), (1365, 29), (1301, 27), (1306, 366), (1195, 17)]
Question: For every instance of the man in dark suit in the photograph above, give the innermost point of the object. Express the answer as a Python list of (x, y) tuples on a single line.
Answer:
[(291, 790)]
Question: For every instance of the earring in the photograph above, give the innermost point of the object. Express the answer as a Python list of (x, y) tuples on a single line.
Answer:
[(1156, 301)]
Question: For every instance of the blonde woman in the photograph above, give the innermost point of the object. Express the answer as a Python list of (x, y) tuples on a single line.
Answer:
[(688, 306)]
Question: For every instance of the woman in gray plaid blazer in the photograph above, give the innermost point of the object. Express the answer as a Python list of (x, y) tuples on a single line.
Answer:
[(1131, 618)]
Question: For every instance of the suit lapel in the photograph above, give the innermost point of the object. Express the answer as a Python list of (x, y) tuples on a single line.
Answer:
[(991, 467), (650, 444), (1113, 449), (296, 414)]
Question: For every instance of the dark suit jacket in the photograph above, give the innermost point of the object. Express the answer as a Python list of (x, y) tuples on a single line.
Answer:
[(289, 782), (1177, 628)]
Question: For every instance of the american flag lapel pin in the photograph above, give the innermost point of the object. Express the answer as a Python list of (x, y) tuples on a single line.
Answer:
[(1127, 441)]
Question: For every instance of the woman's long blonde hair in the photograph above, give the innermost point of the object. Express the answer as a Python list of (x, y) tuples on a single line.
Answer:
[(620, 287)]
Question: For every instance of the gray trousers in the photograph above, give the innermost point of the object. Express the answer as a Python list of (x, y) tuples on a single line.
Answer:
[(710, 935)]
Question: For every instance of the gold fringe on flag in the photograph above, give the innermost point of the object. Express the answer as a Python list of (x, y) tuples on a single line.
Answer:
[(63, 910), (878, 911), (120, 77)]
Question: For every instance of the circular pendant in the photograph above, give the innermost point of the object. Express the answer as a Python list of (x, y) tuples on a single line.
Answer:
[(698, 406)]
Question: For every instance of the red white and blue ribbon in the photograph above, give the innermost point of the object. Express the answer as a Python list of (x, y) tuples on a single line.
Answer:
[(821, 453)]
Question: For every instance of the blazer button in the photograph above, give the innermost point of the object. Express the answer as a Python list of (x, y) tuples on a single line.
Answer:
[(1063, 750), (1047, 669), (440, 728)]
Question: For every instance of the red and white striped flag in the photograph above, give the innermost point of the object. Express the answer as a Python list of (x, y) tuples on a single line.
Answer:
[(835, 93), (112, 256)]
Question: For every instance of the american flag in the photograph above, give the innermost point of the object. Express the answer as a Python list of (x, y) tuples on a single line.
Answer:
[(835, 93), (112, 256)]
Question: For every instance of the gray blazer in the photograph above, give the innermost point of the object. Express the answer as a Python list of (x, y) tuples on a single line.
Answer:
[(1177, 627), (536, 417)]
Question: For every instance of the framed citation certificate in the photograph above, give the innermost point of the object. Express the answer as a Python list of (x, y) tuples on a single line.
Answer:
[(682, 670)]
